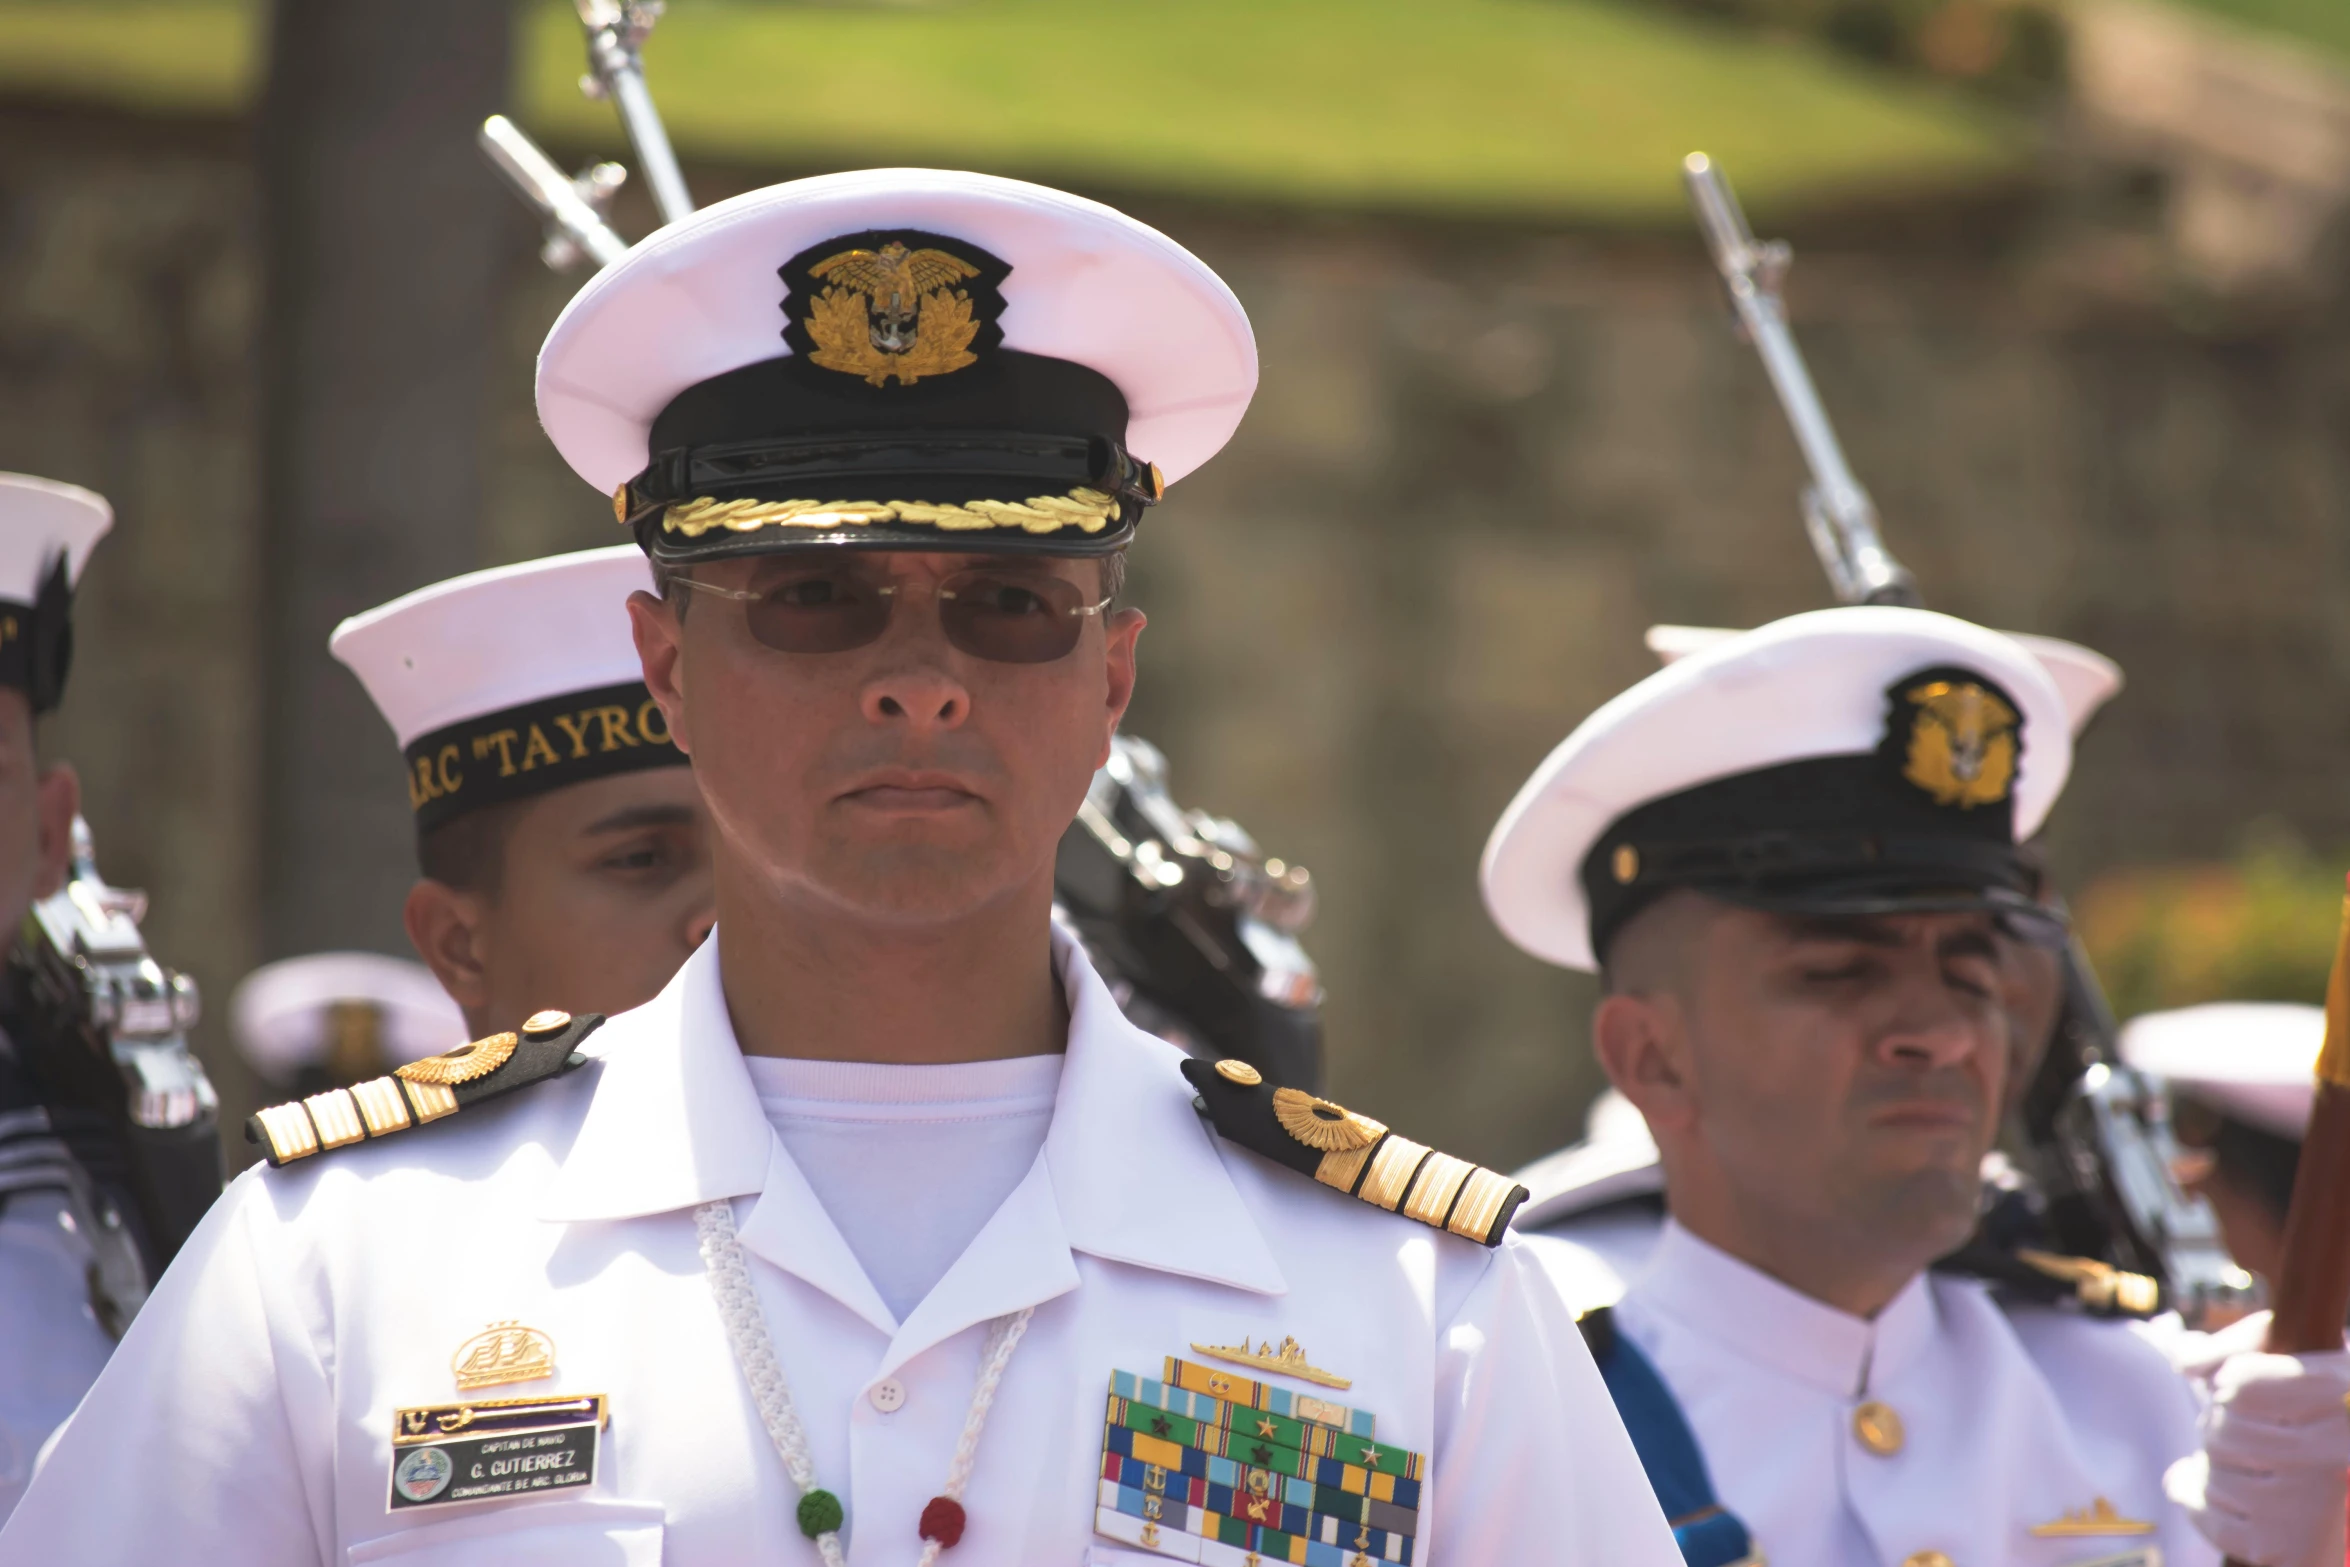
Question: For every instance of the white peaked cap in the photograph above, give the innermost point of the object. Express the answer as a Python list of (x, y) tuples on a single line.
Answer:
[(2253, 1060), (1088, 284), (39, 519), (2084, 677), (280, 1012), (498, 639), (1812, 685)]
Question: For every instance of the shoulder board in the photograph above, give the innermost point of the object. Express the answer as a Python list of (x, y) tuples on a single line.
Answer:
[(2046, 1278), (547, 1046), (1354, 1153)]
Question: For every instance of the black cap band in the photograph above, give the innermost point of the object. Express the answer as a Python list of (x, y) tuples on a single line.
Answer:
[(522, 751)]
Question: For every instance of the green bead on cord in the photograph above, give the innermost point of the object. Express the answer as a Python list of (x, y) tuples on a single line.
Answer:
[(820, 1513)]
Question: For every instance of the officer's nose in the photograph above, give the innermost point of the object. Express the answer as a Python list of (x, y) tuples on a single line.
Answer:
[(920, 695)]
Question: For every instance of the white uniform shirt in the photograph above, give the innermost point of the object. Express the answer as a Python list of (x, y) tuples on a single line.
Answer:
[(2011, 1418), (248, 1415)]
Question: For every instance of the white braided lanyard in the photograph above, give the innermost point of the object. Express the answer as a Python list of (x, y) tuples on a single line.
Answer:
[(819, 1513)]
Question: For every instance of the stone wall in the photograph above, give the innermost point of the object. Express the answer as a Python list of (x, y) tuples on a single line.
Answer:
[(1482, 461)]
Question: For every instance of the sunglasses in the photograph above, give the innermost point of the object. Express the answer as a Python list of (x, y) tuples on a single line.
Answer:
[(1003, 615)]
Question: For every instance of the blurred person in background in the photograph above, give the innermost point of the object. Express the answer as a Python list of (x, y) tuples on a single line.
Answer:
[(565, 850), (61, 1173), (1794, 858), (331, 1019)]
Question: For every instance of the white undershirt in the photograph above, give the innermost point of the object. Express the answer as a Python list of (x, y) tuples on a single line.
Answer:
[(910, 1162)]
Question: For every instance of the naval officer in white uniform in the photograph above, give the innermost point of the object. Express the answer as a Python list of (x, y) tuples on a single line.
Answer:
[(1792, 856), (879, 1235)]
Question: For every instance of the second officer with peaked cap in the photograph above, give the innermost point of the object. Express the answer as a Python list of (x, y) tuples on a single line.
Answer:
[(880, 1232), (1794, 859)]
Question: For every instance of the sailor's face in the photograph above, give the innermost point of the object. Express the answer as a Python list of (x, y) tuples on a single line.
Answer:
[(906, 781), (1851, 1070)]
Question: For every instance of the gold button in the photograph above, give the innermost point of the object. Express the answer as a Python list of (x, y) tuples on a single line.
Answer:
[(1625, 864), (539, 1024), (1926, 1559), (1239, 1072), (1879, 1430)]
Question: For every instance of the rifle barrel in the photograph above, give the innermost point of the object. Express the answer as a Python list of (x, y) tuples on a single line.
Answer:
[(615, 28), (549, 190)]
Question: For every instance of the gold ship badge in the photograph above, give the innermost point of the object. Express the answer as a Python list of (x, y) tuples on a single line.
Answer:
[(2099, 1517), (503, 1352), (1289, 1360)]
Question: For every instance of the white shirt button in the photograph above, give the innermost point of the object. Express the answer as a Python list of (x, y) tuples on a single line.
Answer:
[(888, 1395)]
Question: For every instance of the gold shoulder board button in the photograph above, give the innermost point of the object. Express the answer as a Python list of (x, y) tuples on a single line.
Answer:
[(539, 1024)]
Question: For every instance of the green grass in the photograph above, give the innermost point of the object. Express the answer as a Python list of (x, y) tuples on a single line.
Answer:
[(2325, 23), (1570, 108)]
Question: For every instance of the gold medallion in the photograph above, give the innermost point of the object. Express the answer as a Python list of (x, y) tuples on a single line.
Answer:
[(892, 313), (1962, 743), (1323, 1126), (1879, 1428), (463, 1064), (503, 1352), (1289, 1360)]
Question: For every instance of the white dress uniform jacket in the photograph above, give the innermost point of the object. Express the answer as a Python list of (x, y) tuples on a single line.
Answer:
[(2010, 1418), (248, 1415)]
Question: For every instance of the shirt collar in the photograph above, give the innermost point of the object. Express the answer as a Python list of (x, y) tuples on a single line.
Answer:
[(1134, 1173), (1708, 1291)]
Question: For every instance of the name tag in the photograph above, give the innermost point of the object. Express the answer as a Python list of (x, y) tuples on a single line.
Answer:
[(443, 1454)]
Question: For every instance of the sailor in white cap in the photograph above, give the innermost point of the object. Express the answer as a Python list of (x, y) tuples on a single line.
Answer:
[(331, 1019), (564, 847), (1602, 1199), (881, 1230), (53, 1178), (1793, 858), (2241, 1076)]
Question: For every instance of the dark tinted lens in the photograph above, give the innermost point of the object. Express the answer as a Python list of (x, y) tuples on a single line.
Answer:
[(1011, 618), (819, 612)]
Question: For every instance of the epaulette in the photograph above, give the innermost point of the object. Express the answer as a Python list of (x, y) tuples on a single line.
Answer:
[(426, 1090), (2046, 1278), (1354, 1153)]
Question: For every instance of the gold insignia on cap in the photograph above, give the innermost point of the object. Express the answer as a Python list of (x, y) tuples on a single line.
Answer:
[(892, 312), (1321, 1125), (2099, 1517), (503, 1352), (1962, 743), (463, 1064), (1624, 864), (1239, 1072), (1879, 1428)]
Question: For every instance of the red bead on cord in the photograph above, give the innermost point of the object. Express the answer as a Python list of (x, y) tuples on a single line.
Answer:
[(942, 1521)]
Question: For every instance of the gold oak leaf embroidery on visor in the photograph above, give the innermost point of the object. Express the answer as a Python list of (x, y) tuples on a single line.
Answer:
[(1087, 510)]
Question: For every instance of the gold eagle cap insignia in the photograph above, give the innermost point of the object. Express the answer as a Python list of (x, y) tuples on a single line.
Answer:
[(893, 313), (1962, 743)]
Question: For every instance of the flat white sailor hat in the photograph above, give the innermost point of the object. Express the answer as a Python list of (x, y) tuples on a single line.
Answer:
[(1862, 760), (304, 1012), (909, 358), (2252, 1061), (47, 531), (2084, 677), (504, 684)]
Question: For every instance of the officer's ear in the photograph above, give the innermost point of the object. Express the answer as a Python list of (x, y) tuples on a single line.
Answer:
[(1640, 1032), (657, 624), (57, 800), (447, 927)]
